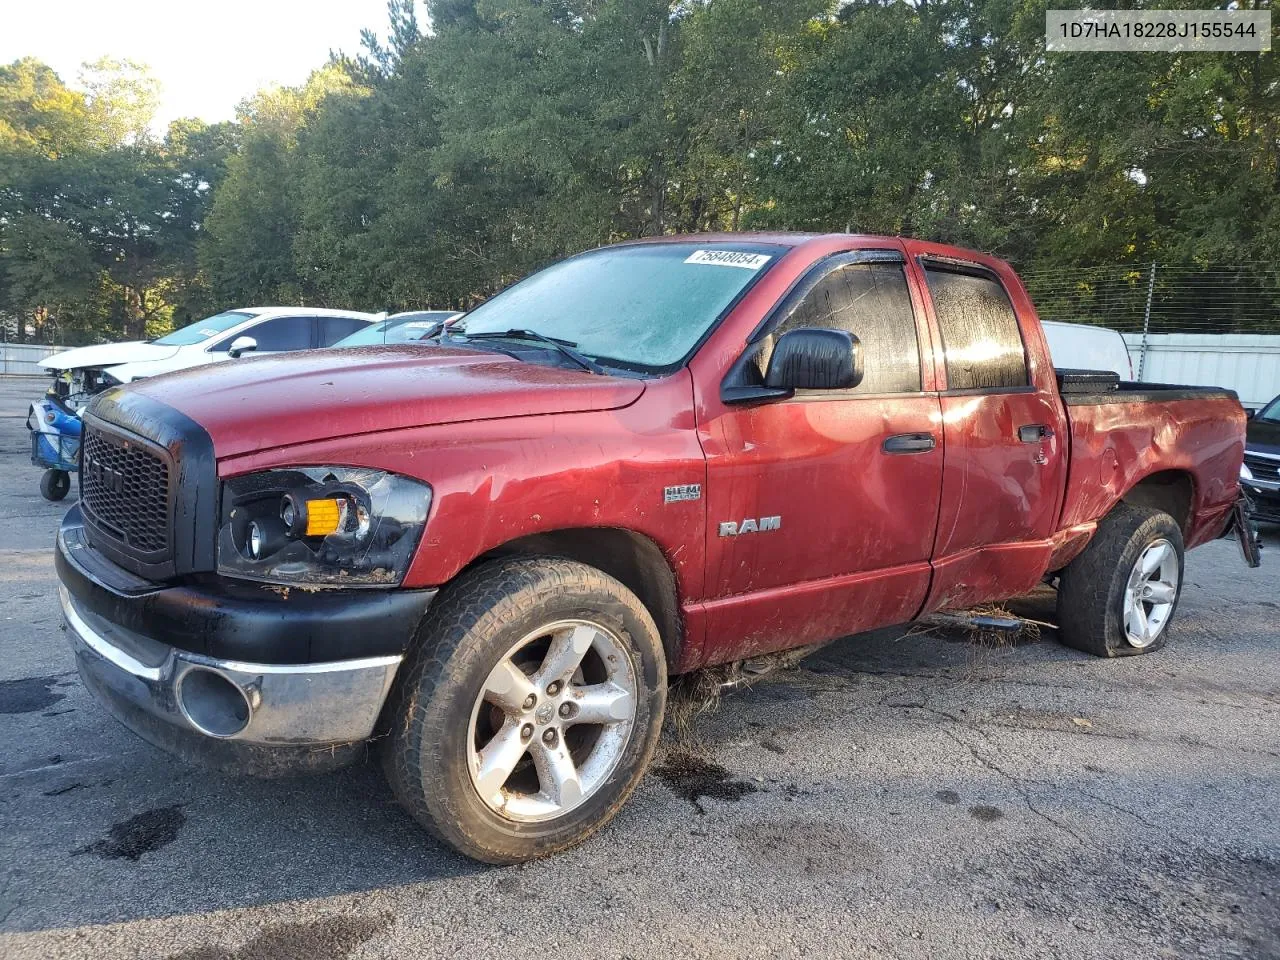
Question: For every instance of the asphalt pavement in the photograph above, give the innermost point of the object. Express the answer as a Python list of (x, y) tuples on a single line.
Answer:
[(918, 795)]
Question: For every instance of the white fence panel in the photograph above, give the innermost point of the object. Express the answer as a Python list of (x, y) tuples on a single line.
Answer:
[(1248, 363), (21, 359)]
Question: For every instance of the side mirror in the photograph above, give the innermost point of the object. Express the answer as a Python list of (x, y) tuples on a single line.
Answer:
[(814, 359), (242, 345), (1250, 413)]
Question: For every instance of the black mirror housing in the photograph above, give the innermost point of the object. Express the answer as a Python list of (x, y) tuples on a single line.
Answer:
[(815, 359)]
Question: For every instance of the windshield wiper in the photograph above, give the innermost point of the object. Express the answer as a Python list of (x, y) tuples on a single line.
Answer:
[(564, 347), (431, 334)]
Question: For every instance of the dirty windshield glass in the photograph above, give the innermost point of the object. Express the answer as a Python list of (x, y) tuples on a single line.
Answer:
[(643, 306), (203, 329)]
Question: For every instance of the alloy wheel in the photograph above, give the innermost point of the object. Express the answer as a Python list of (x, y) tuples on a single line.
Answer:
[(552, 720), (1150, 594)]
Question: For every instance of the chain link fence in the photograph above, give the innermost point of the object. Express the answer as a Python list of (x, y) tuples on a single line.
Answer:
[(1162, 298), (1208, 325)]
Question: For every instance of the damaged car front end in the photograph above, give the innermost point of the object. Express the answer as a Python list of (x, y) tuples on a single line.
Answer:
[(250, 638)]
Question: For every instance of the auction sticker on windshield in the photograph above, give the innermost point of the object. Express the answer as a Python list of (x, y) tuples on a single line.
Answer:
[(729, 258)]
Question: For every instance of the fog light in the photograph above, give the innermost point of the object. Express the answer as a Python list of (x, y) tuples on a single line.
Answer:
[(265, 537), (214, 705)]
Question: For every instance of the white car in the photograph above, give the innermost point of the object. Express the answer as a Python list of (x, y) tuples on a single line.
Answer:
[(85, 371), (1079, 346)]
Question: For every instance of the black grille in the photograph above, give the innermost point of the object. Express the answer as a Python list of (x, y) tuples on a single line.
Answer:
[(1264, 468), (125, 488)]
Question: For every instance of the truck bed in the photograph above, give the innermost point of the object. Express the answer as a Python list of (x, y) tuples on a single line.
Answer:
[(1189, 438)]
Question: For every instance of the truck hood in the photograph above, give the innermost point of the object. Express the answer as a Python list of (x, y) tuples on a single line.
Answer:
[(274, 401), (107, 355)]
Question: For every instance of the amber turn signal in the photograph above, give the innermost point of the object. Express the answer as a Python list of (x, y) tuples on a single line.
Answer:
[(323, 517)]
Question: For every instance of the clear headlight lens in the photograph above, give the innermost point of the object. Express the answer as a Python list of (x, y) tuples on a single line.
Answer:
[(1245, 472), (321, 526)]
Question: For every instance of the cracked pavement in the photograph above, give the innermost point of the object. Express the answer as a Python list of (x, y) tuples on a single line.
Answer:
[(917, 796)]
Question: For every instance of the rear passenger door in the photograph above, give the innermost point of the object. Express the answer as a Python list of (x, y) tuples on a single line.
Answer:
[(1004, 469)]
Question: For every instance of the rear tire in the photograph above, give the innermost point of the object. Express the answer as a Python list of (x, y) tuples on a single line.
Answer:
[(55, 484), (1117, 597), (527, 710)]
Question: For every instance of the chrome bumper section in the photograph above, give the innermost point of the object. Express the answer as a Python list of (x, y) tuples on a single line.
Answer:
[(302, 705)]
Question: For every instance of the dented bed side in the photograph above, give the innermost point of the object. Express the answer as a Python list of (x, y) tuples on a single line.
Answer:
[(1179, 448)]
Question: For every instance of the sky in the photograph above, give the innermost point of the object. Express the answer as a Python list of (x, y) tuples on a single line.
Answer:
[(207, 55)]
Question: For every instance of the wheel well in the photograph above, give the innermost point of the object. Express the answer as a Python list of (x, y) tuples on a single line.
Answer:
[(630, 558), (1169, 490)]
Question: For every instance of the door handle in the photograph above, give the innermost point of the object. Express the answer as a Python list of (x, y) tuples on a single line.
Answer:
[(909, 443), (1034, 432)]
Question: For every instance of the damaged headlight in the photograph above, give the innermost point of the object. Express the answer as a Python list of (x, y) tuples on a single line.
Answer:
[(323, 526)]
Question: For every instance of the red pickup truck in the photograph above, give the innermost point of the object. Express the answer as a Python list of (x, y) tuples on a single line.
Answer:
[(486, 552)]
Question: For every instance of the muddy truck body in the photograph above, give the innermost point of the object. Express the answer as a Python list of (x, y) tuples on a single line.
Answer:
[(483, 555)]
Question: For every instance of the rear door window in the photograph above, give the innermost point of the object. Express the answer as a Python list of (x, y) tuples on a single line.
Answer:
[(283, 333), (872, 302), (333, 329), (981, 341)]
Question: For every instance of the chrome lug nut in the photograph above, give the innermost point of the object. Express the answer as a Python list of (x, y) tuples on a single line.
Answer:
[(567, 710), (530, 701), (549, 737), (553, 688), (526, 731)]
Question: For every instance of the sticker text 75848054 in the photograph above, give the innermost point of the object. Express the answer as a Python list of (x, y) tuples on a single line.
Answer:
[(729, 258)]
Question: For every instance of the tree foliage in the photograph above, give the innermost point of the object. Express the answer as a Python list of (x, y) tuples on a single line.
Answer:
[(99, 219), (434, 167)]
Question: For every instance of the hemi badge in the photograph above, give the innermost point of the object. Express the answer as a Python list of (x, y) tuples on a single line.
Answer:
[(685, 491)]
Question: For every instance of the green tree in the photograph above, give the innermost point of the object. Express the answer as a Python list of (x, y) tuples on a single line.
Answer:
[(247, 248), (38, 113), (98, 221), (122, 97)]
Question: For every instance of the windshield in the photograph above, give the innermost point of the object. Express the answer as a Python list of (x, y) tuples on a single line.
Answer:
[(645, 306), (1270, 412), (403, 328), (203, 329)]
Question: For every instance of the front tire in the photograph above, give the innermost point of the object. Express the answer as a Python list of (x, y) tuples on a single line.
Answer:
[(528, 709), (1116, 599)]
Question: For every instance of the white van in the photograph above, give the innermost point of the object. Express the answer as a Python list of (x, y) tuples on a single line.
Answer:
[(1078, 346)]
